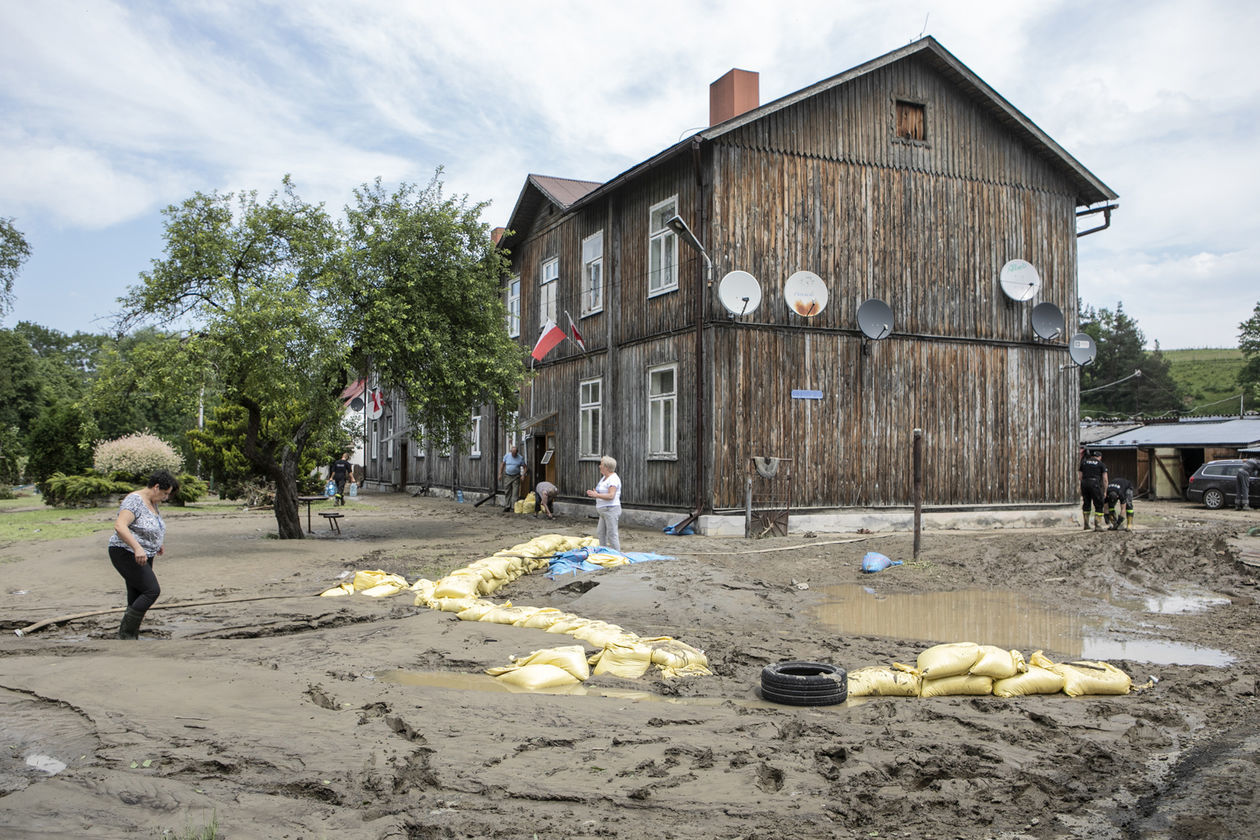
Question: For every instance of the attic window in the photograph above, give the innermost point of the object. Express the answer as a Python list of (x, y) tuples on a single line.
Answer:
[(911, 122)]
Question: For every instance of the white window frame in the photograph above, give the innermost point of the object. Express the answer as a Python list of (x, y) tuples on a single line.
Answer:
[(548, 283), (510, 431), (663, 246), (662, 434), (389, 437), (590, 418), (376, 439), (593, 273), (513, 303), (420, 447), (474, 448)]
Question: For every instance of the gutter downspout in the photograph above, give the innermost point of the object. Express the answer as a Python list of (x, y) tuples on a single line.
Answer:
[(1105, 210), (702, 442)]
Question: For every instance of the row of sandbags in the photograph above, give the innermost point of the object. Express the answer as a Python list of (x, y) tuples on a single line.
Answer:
[(619, 652), (966, 668)]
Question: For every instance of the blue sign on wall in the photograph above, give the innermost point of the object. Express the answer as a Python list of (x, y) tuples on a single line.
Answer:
[(806, 395)]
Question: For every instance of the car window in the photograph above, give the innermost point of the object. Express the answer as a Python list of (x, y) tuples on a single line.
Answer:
[(1220, 469)]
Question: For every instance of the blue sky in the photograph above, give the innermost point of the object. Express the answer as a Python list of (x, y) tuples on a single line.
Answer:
[(114, 110)]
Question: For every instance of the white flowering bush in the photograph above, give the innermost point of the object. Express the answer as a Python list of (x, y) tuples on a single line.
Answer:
[(137, 455)]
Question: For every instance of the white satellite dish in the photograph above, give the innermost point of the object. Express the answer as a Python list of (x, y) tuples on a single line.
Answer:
[(1019, 280), (1082, 349), (740, 293), (805, 293)]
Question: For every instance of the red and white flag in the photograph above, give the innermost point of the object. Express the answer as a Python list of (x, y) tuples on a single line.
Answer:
[(551, 336), (574, 334), (375, 403)]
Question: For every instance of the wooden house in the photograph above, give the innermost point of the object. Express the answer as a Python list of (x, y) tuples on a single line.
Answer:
[(906, 180)]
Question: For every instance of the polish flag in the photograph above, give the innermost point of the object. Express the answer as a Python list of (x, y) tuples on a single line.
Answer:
[(551, 336), (573, 332)]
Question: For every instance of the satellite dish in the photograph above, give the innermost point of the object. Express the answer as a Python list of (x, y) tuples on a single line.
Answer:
[(875, 319), (1082, 349), (805, 293), (1019, 280), (1047, 321), (740, 293)]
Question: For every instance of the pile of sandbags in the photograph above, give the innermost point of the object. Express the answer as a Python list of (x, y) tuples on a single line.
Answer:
[(966, 668), (618, 651)]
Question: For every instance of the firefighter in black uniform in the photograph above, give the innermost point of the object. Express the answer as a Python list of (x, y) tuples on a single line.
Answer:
[(1093, 474), (1117, 489)]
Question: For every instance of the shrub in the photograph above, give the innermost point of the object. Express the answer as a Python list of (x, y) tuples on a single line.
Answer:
[(87, 490), (191, 489), (137, 455)]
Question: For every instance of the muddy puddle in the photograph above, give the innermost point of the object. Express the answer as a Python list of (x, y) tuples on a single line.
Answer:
[(1010, 620)]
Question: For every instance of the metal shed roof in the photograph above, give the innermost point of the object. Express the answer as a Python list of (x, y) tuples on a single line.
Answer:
[(1239, 432)]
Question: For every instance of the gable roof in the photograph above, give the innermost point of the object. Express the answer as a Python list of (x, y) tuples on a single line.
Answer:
[(1089, 189), (561, 192)]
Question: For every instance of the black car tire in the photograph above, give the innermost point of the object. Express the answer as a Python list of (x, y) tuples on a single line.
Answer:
[(804, 683), (1214, 498)]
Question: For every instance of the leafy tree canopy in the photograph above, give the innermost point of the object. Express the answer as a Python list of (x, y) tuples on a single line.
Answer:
[(13, 252), (280, 308), (1120, 353), (1249, 343)]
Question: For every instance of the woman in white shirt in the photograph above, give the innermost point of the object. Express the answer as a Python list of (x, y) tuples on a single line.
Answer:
[(607, 496)]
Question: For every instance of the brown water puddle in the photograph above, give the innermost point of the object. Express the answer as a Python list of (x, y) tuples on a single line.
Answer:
[(1009, 620)]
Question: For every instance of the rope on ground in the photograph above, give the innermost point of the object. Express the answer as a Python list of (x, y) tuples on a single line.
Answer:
[(63, 619)]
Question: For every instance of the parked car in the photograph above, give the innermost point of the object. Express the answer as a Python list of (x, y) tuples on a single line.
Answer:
[(1213, 484)]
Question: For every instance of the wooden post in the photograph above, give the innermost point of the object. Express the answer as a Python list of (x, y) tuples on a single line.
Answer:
[(918, 488)]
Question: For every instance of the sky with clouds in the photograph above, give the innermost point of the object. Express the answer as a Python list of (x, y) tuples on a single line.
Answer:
[(114, 110)]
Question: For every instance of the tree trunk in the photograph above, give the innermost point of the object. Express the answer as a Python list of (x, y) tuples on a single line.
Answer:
[(289, 523)]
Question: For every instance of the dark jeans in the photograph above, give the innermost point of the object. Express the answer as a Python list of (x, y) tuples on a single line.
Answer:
[(1242, 488), (142, 583), (1091, 493)]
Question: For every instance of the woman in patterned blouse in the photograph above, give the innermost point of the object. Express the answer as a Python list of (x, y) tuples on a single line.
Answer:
[(139, 535)]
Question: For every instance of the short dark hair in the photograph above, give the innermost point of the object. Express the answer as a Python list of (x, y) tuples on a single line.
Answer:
[(163, 480)]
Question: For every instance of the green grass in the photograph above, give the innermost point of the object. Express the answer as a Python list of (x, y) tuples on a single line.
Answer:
[(1208, 377), (50, 523)]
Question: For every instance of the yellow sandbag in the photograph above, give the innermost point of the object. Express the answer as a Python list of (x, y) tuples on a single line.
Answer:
[(508, 614), (541, 620), (1036, 680), (537, 677), (460, 583), (456, 605), (346, 588), (530, 503), (600, 634), (476, 610), (567, 623), (948, 660), (955, 685), (999, 664), (384, 590), (881, 681), (571, 658), (628, 661), (677, 659), (1089, 677), (607, 561), (518, 507), (367, 580)]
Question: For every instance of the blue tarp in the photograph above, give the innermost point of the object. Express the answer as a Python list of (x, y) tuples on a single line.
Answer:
[(574, 561)]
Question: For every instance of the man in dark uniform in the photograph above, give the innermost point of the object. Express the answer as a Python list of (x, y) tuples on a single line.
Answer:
[(1093, 473), (339, 471), (1117, 489), (1242, 481)]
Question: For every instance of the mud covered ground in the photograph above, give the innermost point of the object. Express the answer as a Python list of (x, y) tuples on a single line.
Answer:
[(300, 717)]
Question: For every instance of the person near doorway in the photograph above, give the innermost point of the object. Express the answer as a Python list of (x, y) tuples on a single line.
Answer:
[(1093, 474), (513, 467), (1242, 483), (1118, 489), (607, 496), (546, 492), (339, 472)]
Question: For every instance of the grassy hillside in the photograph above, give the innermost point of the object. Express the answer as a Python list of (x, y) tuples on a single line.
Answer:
[(1207, 376)]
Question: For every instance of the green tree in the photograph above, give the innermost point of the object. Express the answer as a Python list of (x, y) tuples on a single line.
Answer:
[(21, 397), (1108, 385), (283, 305), (13, 252), (60, 441), (1249, 344)]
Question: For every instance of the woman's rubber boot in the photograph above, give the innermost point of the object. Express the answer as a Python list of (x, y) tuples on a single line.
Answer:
[(130, 627)]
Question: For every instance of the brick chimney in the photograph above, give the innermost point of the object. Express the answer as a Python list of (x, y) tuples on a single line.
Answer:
[(732, 95)]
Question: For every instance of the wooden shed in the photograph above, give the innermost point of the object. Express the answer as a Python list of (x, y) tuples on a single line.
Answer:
[(907, 180)]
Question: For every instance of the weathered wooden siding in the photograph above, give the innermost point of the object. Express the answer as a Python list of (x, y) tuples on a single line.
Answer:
[(994, 430)]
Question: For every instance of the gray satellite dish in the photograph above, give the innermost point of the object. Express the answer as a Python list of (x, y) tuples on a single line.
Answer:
[(875, 319), (1047, 321), (740, 293), (1082, 349), (1019, 280)]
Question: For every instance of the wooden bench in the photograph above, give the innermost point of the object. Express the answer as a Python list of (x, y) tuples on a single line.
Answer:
[(332, 520)]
